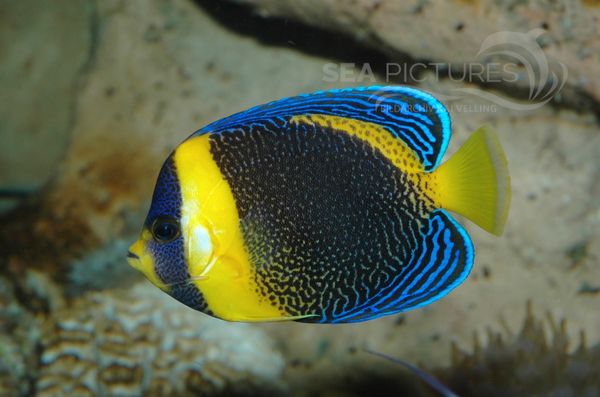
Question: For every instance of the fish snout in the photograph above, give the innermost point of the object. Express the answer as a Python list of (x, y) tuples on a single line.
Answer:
[(134, 255)]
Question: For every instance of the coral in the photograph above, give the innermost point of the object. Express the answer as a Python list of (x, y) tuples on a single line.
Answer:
[(143, 343), (528, 364), (11, 367), (19, 333)]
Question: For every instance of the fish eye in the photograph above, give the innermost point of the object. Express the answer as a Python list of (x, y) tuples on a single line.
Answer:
[(165, 229)]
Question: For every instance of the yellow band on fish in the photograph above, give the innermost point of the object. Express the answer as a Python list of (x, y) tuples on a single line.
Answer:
[(222, 272)]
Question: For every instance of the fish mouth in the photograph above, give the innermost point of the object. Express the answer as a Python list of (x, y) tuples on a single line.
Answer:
[(131, 255)]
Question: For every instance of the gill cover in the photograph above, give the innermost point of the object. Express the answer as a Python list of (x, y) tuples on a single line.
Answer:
[(218, 263)]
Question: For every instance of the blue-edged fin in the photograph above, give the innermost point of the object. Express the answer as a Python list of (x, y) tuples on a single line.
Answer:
[(414, 116), (435, 384), (475, 182), (440, 263)]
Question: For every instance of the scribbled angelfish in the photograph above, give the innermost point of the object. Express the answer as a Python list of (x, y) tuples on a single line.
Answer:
[(327, 207)]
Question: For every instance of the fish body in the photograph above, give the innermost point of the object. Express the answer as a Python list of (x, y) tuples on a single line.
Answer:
[(327, 207)]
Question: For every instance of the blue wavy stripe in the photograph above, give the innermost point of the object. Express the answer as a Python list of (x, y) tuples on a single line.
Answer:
[(414, 116), (440, 263)]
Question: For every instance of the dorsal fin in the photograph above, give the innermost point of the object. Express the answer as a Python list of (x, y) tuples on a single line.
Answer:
[(414, 116)]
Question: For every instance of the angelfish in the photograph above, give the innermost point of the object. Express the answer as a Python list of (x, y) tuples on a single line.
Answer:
[(328, 207)]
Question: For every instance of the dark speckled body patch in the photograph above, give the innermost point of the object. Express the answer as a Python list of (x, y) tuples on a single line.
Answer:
[(326, 218)]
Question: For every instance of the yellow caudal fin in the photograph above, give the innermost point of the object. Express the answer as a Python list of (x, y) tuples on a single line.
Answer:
[(475, 181)]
